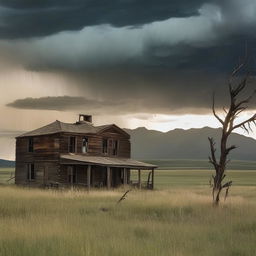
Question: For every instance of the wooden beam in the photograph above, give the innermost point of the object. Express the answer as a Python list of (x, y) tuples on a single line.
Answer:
[(108, 178), (71, 176), (139, 178), (125, 176), (153, 172), (89, 177)]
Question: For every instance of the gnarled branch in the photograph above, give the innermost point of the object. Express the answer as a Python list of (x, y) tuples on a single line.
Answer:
[(246, 122), (213, 110)]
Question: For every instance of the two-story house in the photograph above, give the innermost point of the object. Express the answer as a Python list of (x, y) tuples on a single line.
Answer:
[(77, 154)]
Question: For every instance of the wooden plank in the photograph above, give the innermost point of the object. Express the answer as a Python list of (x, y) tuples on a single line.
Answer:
[(153, 173), (71, 175), (108, 178), (139, 178), (125, 176), (45, 174), (88, 177)]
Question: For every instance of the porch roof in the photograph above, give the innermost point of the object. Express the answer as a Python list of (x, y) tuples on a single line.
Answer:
[(105, 161)]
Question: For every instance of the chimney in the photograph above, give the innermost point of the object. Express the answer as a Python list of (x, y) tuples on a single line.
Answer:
[(85, 118)]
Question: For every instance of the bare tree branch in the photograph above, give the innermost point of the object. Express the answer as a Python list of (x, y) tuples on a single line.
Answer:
[(246, 122), (236, 87), (214, 112)]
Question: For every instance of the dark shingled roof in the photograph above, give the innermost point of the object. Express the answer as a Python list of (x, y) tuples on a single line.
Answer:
[(79, 127), (105, 161)]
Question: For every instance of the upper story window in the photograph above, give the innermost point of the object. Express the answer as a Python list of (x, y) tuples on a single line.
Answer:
[(105, 146), (85, 145), (31, 172), (72, 145), (31, 145), (115, 147), (110, 146)]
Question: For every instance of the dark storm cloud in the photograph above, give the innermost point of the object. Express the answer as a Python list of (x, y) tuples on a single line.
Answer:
[(144, 56), (161, 91), (195, 41), (137, 95), (60, 103), (30, 18)]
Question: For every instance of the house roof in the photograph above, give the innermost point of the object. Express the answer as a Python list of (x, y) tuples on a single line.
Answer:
[(79, 127), (105, 161)]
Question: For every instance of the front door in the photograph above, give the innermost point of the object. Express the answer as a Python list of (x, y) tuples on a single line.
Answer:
[(116, 177)]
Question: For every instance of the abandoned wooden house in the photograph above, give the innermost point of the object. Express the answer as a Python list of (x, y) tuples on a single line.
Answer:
[(78, 154)]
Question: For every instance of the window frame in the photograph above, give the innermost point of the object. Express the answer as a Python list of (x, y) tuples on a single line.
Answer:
[(30, 145), (86, 146), (105, 147), (115, 147), (30, 171), (74, 146), (74, 171)]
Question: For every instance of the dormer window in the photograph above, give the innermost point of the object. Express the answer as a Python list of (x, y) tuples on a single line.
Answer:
[(72, 145), (30, 145), (85, 145), (105, 146)]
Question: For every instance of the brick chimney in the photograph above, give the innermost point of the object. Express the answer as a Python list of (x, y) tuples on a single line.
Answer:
[(85, 118)]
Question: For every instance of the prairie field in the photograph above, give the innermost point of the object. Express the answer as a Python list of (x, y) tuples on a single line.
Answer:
[(175, 219)]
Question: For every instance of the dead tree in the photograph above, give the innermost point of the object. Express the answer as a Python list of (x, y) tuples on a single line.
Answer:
[(237, 85)]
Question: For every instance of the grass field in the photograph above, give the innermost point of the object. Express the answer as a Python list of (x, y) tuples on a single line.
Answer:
[(192, 164), (173, 178), (177, 219), (6, 174)]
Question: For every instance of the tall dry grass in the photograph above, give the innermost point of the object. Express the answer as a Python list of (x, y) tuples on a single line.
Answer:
[(176, 222)]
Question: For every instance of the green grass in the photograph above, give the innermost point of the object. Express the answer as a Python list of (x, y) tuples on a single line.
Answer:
[(176, 219), (6, 174), (191, 164), (165, 179), (174, 178)]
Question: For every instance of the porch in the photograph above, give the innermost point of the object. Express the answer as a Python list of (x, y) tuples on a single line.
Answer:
[(92, 171)]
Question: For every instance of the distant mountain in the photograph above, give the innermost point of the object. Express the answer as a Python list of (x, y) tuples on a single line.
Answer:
[(186, 144), (6, 163), (175, 144)]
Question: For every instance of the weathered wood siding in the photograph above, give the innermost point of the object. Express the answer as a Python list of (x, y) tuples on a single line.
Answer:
[(81, 174), (98, 177), (45, 158), (95, 144)]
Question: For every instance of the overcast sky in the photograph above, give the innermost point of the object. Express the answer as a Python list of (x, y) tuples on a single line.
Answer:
[(129, 62)]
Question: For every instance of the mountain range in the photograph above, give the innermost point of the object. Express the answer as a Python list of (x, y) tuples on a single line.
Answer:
[(186, 144), (175, 144), (6, 163)]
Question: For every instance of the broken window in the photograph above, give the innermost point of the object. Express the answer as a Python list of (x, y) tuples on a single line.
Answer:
[(85, 145)]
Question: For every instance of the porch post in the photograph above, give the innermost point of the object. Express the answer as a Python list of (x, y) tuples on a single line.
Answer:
[(125, 176), (108, 178), (139, 178), (71, 176), (153, 172), (88, 177)]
